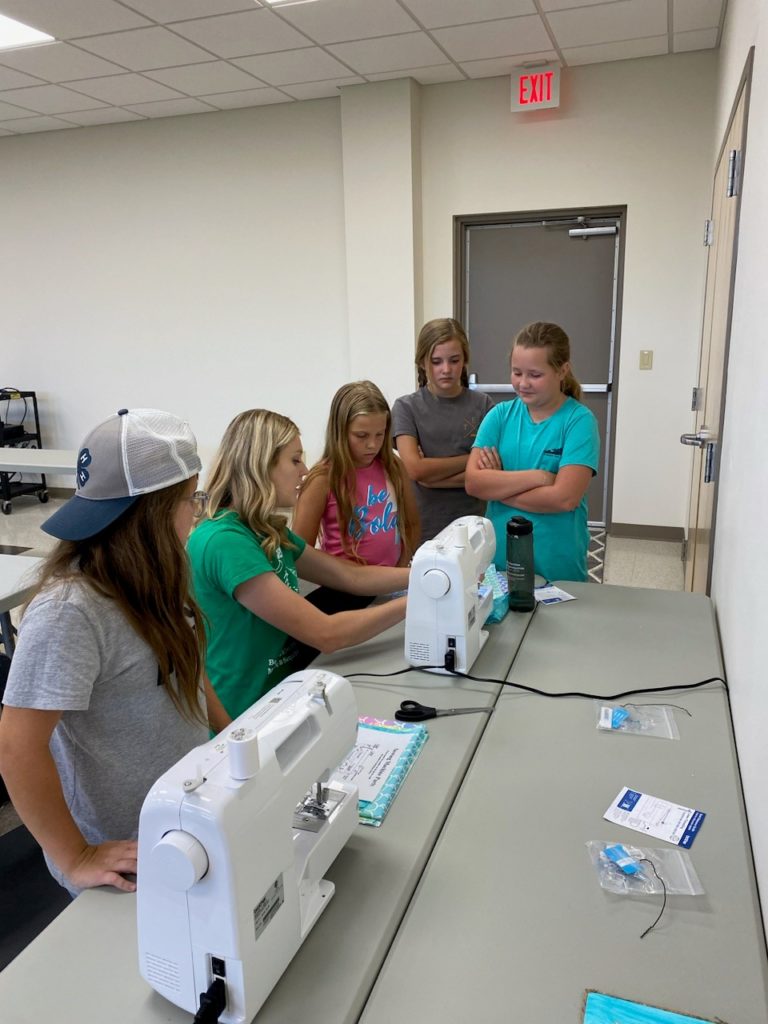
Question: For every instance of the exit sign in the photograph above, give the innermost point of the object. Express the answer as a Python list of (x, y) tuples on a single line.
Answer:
[(536, 88)]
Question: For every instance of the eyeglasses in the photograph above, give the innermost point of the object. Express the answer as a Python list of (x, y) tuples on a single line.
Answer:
[(199, 503)]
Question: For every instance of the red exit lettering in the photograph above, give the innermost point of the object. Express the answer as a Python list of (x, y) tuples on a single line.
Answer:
[(536, 88)]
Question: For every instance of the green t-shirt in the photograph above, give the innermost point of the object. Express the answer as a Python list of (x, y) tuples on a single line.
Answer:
[(246, 655)]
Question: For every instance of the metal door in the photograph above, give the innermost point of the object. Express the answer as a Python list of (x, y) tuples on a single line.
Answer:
[(709, 394), (564, 267)]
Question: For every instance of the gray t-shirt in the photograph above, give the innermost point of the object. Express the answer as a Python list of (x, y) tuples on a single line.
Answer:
[(442, 427), (119, 730)]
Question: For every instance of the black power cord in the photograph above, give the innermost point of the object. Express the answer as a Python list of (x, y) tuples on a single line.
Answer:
[(532, 689), (212, 1003)]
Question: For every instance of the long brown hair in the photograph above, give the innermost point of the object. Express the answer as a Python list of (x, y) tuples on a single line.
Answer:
[(553, 338), (240, 478), (437, 332), (139, 563), (361, 398)]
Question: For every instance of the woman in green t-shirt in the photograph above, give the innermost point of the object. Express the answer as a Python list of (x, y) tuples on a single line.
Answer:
[(246, 564)]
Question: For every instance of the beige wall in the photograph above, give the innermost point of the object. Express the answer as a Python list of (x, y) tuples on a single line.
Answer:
[(741, 549)]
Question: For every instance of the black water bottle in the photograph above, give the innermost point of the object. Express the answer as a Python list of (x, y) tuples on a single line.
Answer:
[(520, 564)]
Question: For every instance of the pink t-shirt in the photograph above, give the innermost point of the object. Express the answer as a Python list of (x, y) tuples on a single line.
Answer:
[(376, 508)]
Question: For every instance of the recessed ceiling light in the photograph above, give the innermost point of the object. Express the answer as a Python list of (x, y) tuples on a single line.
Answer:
[(13, 33)]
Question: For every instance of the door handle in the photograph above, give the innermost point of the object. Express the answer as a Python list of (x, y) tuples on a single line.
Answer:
[(709, 463), (698, 440)]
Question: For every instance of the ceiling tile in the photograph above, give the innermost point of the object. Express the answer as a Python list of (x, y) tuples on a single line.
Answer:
[(607, 23), (237, 35), (15, 79), (434, 75), (145, 48), (7, 111), (171, 108), (320, 90), (104, 115), (505, 65), (27, 125), (50, 99), (561, 5), (176, 10), (57, 62), (66, 19), (336, 21), (389, 53), (218, 76), (688, 15), (247, 98), (701, 39), (651, 47), (436, 13), (494, 38), (122, 89), (310, 65)]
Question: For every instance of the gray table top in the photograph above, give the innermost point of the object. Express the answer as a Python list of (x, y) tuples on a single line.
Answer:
[(17, 573), (92, 945), (509, 922)]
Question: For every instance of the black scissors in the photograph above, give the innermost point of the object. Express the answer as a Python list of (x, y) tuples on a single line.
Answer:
[(412, 711)]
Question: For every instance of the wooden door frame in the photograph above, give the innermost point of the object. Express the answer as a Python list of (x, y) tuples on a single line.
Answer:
[(744, 87), (462, 222)]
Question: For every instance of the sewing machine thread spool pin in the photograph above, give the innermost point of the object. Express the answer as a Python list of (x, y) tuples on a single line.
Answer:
[(319, 693), (243, 745)]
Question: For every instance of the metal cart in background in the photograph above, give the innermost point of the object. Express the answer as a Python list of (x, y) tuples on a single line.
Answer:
[(14, 433)]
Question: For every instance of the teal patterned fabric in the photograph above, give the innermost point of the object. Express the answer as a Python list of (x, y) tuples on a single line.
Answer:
[(373, 812), (603, 1009)]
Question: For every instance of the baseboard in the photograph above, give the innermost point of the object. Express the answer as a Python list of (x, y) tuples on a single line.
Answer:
[(61, 492), (640, 532)]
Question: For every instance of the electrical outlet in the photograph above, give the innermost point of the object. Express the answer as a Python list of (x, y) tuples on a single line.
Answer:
[(646, 358)]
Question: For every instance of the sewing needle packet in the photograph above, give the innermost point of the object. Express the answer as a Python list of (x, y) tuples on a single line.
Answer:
[(655, 817)]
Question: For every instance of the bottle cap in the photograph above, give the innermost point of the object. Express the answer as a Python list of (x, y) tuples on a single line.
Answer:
[(519, 526)]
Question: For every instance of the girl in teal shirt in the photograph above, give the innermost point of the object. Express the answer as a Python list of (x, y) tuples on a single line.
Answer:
[(536, 455)]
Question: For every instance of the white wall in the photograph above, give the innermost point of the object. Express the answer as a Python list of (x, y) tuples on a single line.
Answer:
[(741, 550), (213, 262), (192, 263), (631, 132)]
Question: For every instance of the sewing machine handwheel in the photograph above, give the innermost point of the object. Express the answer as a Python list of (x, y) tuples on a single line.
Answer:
[(435, 583), (178, 860)]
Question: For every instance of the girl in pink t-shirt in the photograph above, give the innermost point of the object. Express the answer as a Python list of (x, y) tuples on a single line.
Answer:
[(357, 499)]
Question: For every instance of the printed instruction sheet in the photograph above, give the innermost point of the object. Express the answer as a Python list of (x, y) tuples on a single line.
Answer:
[(654, 817)]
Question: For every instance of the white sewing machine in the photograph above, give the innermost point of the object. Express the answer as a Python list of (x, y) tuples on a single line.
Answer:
[(233, 848), (446, 613)]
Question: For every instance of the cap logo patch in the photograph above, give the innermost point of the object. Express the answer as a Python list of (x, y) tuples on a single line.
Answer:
[(83, 460)]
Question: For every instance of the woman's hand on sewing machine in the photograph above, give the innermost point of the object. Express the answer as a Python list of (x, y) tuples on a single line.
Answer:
[(105, 864)]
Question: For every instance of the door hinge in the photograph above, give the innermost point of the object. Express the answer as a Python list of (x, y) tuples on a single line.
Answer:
[(697, 397), (734, 173), (709, 232)]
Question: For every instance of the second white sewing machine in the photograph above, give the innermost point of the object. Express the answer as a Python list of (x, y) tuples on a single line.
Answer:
[(446, 612), (233, 849)]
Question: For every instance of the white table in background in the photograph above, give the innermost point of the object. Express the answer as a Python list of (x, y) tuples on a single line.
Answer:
[(17, 583)]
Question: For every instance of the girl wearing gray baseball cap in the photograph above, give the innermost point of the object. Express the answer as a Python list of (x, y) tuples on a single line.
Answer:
[(106, 688), (246, 565)]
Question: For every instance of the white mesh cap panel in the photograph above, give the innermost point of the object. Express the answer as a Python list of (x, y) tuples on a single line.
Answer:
[(158, 450)]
